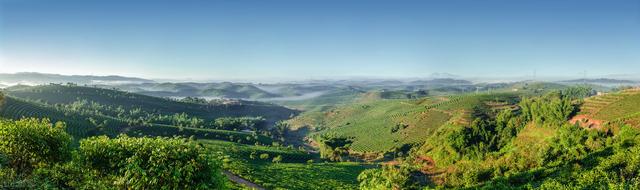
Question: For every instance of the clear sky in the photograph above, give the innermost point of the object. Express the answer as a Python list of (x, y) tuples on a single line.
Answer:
[(320, 38)]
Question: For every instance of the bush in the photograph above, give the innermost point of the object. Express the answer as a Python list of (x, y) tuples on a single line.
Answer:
[(152, 163), (277, 159), (31, 143), (264, 156), (391, 177)]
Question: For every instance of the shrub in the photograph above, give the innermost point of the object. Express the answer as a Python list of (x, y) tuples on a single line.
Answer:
[(277, 159), (152, 163), (31, 143), (264, 156), (391, 177)]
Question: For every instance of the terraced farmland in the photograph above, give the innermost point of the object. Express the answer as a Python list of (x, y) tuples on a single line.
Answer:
[(77, 125), (210, 134), (622, 106)]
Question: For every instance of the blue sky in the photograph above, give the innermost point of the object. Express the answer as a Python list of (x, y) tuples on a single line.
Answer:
[(302, 39)]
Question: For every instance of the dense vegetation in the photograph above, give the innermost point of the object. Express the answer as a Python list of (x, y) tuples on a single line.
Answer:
[(531, 147), (37, 154)]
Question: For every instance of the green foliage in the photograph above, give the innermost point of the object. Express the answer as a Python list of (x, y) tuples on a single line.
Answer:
[(391, 177), (78, 124), (264, 156), (482, 136), (36, 154), (152, 163), (27, 144), (277, 159), (552, 108), (568, 144), (578, 92), (334, 147), (240, 123)]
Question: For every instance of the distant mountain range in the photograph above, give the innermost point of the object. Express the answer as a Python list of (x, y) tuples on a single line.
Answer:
[(600, 81), (441, 81), (234, 90), (31, 78), (443, 75)]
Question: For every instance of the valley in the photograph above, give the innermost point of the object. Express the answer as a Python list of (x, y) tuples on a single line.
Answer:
[(374, 130)]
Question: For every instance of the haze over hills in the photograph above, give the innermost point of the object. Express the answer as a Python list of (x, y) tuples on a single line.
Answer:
[(278, 92), (601, 81), (34, 78)]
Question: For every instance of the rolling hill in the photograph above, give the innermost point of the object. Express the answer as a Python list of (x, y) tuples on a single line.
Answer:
[(379, 125), (192, 89), (66, 94), (81, 125)]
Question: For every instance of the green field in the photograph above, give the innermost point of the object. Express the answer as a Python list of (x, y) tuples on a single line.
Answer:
[(292, 173)]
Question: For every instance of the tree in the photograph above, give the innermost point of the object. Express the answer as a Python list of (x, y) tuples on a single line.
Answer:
[(334, 147), (553, 108)]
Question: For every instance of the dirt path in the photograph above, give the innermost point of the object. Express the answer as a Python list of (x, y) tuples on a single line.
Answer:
[(242, 181)]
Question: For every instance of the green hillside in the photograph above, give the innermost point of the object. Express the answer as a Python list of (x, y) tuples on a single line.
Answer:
[(78, 125), (66, 94), (82, 125), (621, 106), (379, 125), (192, 89)]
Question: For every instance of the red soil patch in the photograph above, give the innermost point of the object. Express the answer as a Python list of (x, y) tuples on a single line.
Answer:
[(586, 121), (428, 164)]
